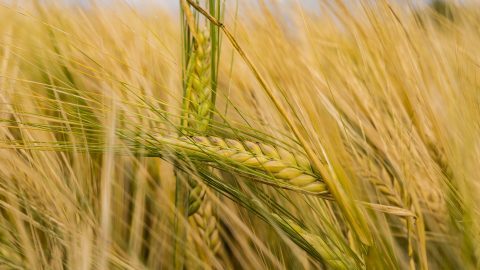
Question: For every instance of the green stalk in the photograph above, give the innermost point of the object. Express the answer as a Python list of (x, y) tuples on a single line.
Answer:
[(181, 186)]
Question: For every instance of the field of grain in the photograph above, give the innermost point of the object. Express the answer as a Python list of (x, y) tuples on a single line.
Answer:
[(217, 134)]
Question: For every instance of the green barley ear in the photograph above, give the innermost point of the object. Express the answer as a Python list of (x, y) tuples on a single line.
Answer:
[(201, 59), (198, 96), (198, 103)]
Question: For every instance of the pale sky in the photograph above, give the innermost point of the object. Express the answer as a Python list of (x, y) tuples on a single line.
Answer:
[(173, 5)]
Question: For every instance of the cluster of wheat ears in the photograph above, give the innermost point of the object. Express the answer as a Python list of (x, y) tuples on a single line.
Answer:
[(249, 135)]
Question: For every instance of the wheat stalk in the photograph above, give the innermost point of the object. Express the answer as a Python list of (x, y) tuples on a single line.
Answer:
[(292, 169), (198, 96), (198, 103), (197, 107)]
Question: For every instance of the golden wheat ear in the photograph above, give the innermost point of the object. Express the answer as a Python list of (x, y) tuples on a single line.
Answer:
[(291, 168)]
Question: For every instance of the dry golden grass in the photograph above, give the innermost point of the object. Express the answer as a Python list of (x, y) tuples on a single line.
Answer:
[(382, 99)]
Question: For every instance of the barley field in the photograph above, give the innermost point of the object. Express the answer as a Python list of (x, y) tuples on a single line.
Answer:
[(228, 134)]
